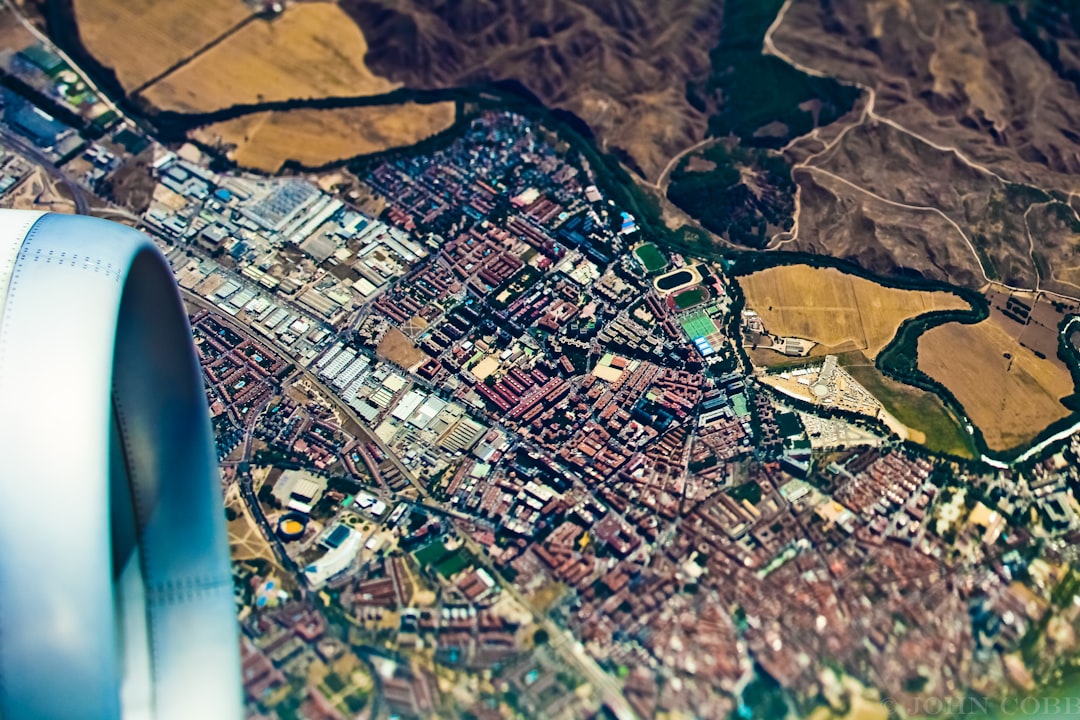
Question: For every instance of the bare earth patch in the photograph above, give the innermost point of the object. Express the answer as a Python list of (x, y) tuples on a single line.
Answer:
[(399, 349), (246, 541), (622, 66), (972, 116), (13, 35), (39, 192)]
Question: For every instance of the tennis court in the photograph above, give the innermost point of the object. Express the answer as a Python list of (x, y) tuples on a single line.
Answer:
[(703, 332), (698, 325)]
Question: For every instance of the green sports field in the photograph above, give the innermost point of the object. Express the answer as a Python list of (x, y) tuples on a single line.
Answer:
[(690, 297), (651, 258), (698, 325)]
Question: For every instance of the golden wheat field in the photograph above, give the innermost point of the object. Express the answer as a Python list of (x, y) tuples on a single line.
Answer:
[(1007, 391), (140, 39), (265, 141), (312, 50), (841, 312)]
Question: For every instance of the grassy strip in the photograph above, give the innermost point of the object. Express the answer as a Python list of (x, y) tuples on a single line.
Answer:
[(918, 409)]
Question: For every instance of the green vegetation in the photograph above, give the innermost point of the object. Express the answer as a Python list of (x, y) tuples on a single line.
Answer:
[(918, 409), (740, 188), (763, 698), (454, 563), (740, 193), (981, 244), (446, 562), (1069, 354), (749, 491), (1065, 592), (356, 702), (431, 554), (289, 708), (690, 297), (778, 362), (266, 496), (334, 683), (757, 90), (651, 258), (696, 466)]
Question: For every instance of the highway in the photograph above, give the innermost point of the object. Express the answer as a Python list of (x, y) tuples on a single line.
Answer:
[(21, 146)]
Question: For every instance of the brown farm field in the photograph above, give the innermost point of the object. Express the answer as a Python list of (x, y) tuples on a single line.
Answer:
[(264, 141), (140, 39), (312, 50), (1034, 320), (840, 311), (1007, 391)]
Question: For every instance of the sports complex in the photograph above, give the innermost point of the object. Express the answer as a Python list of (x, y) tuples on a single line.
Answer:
[(701, 329), (677, 279)]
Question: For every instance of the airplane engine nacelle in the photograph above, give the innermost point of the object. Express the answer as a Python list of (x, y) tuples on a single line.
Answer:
[(116, 597)]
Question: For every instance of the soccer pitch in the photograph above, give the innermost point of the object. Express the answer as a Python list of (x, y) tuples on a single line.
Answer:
[(651, 258)]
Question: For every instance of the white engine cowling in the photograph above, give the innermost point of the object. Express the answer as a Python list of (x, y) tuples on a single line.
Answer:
[(116, 596)]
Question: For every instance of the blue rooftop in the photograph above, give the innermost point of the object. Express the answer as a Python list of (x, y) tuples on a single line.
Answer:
[(337, 536)]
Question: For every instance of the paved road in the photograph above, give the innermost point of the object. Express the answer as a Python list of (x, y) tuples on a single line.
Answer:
[(21, 146)]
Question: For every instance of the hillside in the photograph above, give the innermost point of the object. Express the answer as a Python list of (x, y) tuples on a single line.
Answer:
[(623, 66), (969, 120)]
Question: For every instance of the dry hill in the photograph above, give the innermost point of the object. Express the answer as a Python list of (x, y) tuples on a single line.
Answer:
[(621, 65)]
